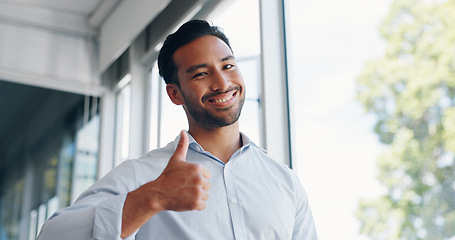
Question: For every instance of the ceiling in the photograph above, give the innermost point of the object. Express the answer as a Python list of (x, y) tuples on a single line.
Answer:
[(37, 12), (82, 7)]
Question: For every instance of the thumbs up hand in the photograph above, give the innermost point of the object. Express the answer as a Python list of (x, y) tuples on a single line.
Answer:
[(182, 186), (186, 184)]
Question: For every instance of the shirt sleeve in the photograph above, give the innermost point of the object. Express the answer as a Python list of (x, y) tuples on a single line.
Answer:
[(304, 227), (97, 213)]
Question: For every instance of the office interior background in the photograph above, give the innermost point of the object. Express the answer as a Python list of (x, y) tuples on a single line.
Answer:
[(80, 93)]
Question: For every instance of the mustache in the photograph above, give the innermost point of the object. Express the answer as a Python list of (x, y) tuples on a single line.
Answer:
[(215, 93)]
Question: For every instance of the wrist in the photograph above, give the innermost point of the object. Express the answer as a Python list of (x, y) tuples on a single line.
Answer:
[(137, 210), (147, 199)]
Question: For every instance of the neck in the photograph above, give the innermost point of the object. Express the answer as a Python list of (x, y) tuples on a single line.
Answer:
[(221, 142)]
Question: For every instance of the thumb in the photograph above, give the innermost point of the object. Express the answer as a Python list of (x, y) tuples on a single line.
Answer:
[(182, 147)]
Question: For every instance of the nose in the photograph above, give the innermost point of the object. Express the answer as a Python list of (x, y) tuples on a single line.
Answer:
[(220, 81)]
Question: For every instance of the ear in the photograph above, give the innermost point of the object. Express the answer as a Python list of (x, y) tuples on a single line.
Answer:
[(174, 94)]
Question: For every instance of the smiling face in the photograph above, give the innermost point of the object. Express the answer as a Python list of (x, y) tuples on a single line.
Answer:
[(211, 86)]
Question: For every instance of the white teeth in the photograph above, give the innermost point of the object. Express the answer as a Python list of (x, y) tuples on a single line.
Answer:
[(222, 100)]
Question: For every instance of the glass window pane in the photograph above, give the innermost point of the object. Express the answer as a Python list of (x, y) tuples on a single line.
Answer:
[(85, 163), (336, 149), (122, 124), (250, 120), (388, 174), (11, 205), (243, 32), (41, 216), (40, 176), (65, 165), (52, 206), (173, 118), (250, 68), (166, 118), (154, 98), (33, 224)]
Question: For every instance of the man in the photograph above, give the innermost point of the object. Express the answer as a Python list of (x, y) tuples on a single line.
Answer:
[(212, 182)]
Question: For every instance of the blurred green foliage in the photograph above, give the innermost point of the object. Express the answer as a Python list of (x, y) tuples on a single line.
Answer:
[(411, 90)]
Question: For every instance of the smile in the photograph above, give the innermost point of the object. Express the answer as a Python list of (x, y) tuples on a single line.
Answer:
[(222, 100)]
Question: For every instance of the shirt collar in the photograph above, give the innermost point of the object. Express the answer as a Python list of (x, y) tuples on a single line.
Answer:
[(247, 142), (195, 146)]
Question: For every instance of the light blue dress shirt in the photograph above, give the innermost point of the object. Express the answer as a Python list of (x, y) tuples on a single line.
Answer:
[(251, 197)]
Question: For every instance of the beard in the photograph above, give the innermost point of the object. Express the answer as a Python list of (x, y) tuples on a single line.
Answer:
[(208, 120)]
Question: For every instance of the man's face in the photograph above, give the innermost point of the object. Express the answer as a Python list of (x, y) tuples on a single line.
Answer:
[(211, 84)]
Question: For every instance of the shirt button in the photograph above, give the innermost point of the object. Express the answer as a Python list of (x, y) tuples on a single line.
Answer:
[(234, 201)]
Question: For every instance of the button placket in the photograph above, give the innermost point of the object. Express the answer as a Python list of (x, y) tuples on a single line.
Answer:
[(235, 209)]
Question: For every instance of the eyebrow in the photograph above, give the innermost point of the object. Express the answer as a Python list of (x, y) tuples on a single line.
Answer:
[(227, 58), (195, 67)]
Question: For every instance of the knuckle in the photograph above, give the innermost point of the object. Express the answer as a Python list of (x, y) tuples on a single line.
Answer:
[(198, 180), (201, 205), (196, 190), (196, 167), (205, 196), (193, 204), (208, 186)]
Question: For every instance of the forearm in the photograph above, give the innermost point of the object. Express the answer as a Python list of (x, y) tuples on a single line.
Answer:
[(136, 212)]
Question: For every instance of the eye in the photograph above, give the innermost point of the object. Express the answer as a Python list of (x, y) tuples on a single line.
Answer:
[(198, 75), (228, 66)]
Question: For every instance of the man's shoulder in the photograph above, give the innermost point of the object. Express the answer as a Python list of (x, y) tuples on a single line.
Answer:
[(165, 151), (150, 165), (271, 163), (271, 170), (156, 158)]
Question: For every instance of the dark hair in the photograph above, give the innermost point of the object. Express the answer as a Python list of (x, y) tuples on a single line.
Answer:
[(187, 33)]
